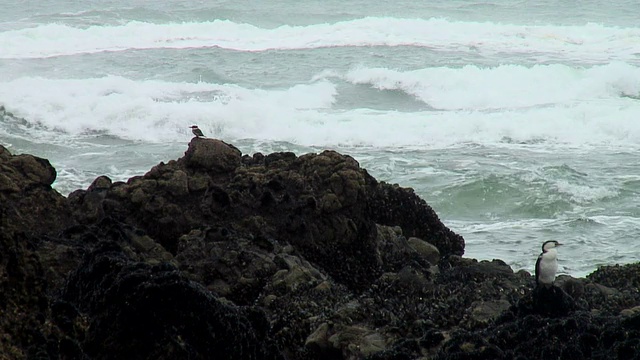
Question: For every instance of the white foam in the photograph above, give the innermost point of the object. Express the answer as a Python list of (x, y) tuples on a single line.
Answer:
[(506, 225), (618, 221), (505, 86), (156, 110), (586, 43), (584, 194), (159, 111)]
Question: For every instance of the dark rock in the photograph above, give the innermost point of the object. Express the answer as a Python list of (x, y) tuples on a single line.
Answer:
[(318, 344), (631, 312), (580, 336), (572, 286), (37, 171), (234, 268), (29, 209), (426, 250), (625, 277), (139, 311), (396, 252), (88, 205), (23, 294), (30, 204), (612, 300), (482, 313), (417, 219), (280, 158), (100, 183), (547, 301), (211, 155), (318, 203), (277, 256)]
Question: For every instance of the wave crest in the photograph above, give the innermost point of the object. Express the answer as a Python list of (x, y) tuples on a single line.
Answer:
[(591, 42)]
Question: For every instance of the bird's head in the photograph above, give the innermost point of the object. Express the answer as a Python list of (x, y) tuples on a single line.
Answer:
[(548, 245), (194, 126)]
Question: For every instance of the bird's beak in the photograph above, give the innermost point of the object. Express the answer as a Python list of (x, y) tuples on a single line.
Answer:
[(558, 244)]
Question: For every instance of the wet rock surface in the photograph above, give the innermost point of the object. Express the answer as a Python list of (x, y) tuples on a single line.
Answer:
[(220, 255)]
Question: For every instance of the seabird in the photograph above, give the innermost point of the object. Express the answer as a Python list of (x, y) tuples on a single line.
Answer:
[(197, 132), (547, 264)]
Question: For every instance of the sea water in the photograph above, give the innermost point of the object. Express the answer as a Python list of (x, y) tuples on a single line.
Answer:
[(517, 121)]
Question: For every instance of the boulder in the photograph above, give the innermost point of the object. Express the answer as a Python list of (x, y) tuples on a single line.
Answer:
[(211, 155), (426, 250), (30, 204)]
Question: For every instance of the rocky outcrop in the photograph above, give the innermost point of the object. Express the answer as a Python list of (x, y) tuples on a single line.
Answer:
[(143, 311), (273, 257), (29, 209), (324, 205), (30, 205)]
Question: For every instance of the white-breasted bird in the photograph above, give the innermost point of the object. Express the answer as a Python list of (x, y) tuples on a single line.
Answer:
[(547, 264), (197, 132)]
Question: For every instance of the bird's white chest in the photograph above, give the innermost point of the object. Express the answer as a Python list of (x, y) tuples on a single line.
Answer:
[(548, 267)]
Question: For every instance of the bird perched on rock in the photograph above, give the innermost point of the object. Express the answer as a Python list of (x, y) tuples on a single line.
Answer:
[(196, 131), (547, 264)]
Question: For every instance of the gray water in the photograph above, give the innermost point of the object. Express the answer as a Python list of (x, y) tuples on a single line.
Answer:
[(517, 121)]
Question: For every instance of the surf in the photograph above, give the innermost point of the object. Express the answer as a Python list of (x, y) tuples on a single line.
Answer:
[(587, 43)]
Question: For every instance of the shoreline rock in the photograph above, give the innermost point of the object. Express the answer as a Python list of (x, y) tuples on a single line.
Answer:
[(274, 257)]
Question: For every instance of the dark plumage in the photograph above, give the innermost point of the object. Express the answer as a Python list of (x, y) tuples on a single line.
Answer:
[(197, 132)]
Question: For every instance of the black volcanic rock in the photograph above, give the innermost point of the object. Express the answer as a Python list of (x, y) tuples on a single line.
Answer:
[(29, 203), (274, 256), (139, 311), (29, 208), (211, 154), (579, 336), (620, 277), (324, 205)]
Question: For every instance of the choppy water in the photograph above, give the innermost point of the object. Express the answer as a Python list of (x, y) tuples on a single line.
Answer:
[(518, 121)]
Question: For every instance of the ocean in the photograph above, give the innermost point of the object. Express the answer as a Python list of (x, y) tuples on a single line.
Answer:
[(517, 121)]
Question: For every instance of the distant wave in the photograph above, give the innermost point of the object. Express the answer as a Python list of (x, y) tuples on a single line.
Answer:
[(591, 42), (504, 87)]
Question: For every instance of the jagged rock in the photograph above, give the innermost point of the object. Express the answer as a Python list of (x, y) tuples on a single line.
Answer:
[(232, 267), (139, 311), (276, 256), (625, 277), (417, 219), (88, 205), (30, 204), (36, 171), (62, 254), (319, 203), (580, 336), (395, 252), (29, 209), (23, 291)]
